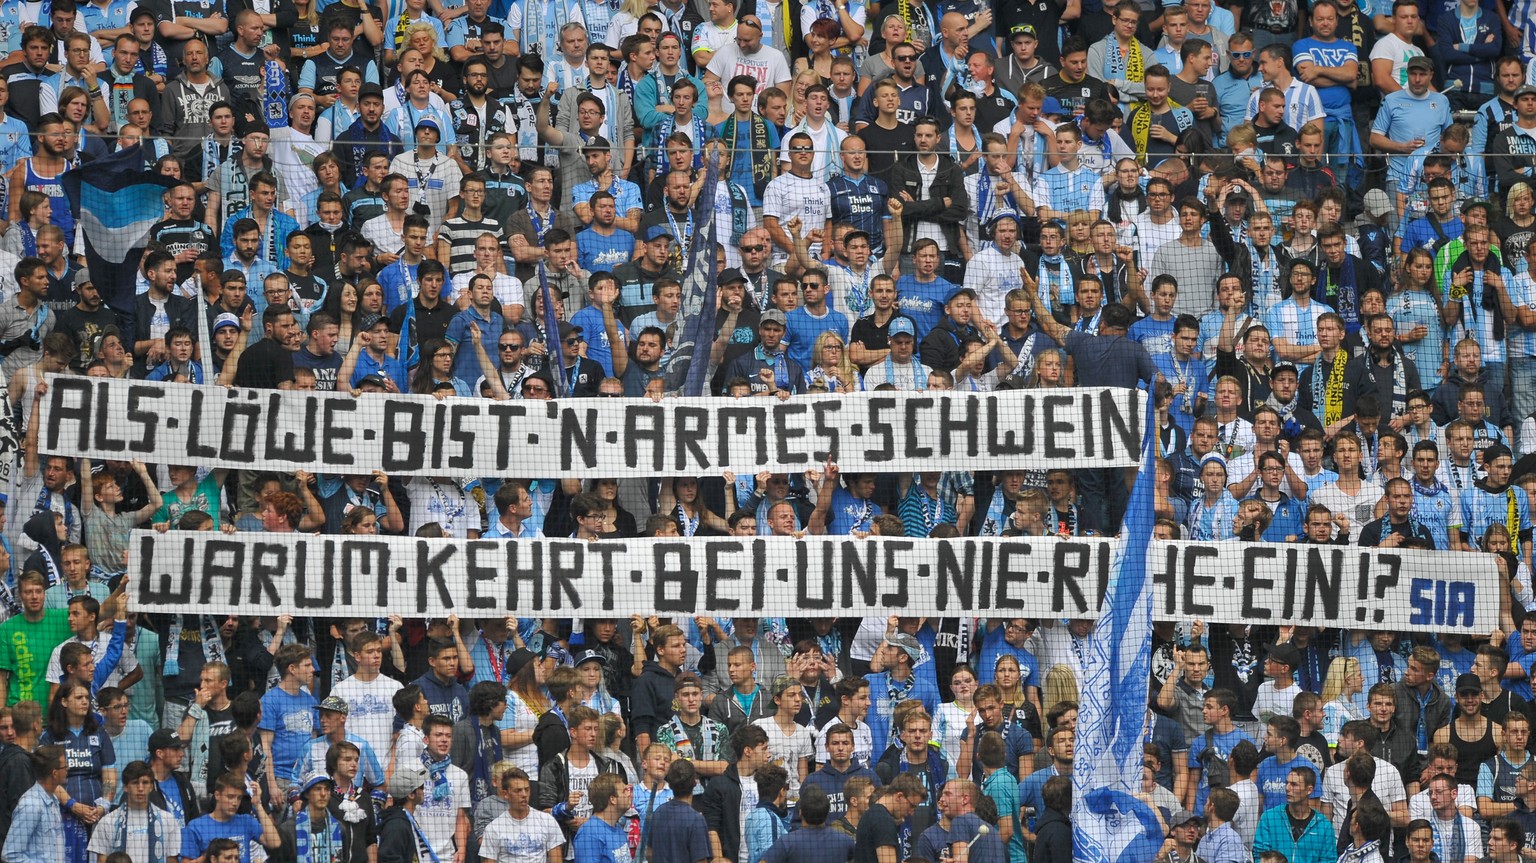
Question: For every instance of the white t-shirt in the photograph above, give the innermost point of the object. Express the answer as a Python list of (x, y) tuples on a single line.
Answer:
[(863, 742), (1360, 507), (788, 749), (439, 817), (748, 803), (1388, 786), (508, 289), (509, 840), (1419, 806), (409, 745), (1271, 701), (104, 839), (520, 717), (125, 665), (578, 780), (372, 709), (767, 66), (788, 196), (1390, 47)]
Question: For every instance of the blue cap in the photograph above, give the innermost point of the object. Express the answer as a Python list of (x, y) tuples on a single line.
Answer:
[(901, 326), (429, 123), (1052, 105), (656, 232)]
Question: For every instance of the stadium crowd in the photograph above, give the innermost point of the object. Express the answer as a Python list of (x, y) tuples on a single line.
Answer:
[(1307, 229)]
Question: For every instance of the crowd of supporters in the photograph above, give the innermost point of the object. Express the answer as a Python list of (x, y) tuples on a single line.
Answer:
[(1305, 228)]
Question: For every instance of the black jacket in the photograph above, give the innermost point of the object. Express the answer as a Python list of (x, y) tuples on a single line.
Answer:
[(947, 343), (1510, 159), (555, 785), (950, 183), (15, 779), (1053, 839), (650, 705), (720, 804)]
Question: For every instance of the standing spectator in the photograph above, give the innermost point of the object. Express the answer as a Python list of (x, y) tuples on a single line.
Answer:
[(522, 833), (37, 827), (1053, 832), (290, 715)]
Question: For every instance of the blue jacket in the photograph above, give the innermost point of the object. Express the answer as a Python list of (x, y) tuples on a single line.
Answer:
[(1317, 843), (1470, 62)]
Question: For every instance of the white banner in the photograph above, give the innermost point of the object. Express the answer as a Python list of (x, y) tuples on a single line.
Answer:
[(1224, 582), (278, 430)]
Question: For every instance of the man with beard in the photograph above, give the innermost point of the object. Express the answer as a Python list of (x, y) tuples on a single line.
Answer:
[(476, 117), (366, 136), (42, 171), (86, 319)]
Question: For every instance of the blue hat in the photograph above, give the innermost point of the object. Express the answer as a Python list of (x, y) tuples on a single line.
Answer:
[(960, 289), (656, 232), (1052, 105), (901, 326), (429, 123)]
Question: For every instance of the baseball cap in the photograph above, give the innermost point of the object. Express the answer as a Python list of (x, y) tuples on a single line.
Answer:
[(782, 683), (1468, 683), (597, 144), (517, 659), (687, 681), (336, 704), (731, 276), (225, 319), (591, 656), (901, 326), (1420, 62), (1052, 105), (1286, 654), (369, 321), (567, 329), (656, 232), (429, 123), (1525, 90), (1182, 817), (773, 316), (971, 292), (373, 380), (82, 276), (1238, 194), (298, 96), (1275, 371), (1023, 30), (164, 738), (405, 781), (907, 643), (370, 89)]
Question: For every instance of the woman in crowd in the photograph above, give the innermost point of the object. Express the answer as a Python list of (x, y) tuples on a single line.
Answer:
[(1341, 696), (952, 718), (92, 780), (1210, 517)]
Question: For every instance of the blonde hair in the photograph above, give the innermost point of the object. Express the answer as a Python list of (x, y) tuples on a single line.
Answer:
[(1242, 137), (1338, 671), (1514, 192), (424, 27), (1060, 685), (844, 367)]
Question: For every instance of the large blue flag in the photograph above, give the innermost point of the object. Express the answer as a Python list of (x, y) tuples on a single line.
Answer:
[(117, 202), (1109, 825), (688, 368)]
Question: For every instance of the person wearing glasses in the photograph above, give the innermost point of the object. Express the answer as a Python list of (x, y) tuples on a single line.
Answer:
[(1120, 59), (1236, 85), (505, 373)]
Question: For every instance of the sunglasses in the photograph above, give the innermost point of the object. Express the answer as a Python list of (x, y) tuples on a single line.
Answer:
[(754, 248), (511, 347), (1241, 55), (801, 148), (904, 58), (573, 341)]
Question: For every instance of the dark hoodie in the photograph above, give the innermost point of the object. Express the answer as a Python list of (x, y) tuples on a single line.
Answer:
[(1448, 393), (650, 703), (1053, 839), (397, 839), (40, 529)]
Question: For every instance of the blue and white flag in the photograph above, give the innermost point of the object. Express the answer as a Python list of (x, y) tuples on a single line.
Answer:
[(1109, 824), (117, 202), (688, 368)]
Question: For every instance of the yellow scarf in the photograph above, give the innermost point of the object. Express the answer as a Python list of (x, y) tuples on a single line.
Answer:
[(1134, 68), (1512, 521), (1333, 402), (1141, 123)]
